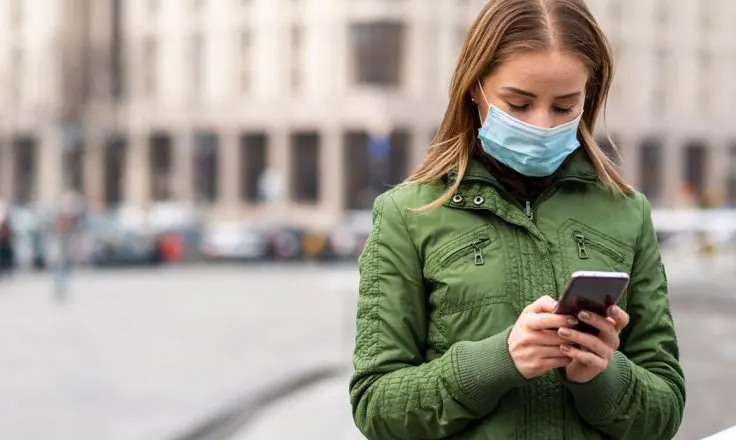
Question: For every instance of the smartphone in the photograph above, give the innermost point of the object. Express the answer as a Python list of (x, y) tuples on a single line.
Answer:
[(594, 292)]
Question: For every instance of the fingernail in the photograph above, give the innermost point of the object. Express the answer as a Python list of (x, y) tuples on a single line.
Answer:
[(564, 348), (613, 311), (584, 316), (572, 322), (565, 332)]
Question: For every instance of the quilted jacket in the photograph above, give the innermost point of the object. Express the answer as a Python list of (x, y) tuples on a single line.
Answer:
[(440, 291)]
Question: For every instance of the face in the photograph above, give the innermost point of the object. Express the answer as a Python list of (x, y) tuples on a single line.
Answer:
[(545, 88)]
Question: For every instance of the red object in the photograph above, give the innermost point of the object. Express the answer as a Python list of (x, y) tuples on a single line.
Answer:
[(172, 248)]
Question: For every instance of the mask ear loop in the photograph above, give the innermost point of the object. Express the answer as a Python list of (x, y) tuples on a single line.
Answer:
[(480, 116)]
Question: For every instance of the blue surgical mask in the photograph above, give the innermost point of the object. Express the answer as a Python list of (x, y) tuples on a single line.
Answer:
[(530, 150)]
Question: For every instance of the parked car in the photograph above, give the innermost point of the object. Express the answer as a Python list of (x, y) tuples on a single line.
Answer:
[(234, 241), (347, 239)]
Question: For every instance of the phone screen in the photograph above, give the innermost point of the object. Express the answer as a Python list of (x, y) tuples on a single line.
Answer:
[(592, 293)]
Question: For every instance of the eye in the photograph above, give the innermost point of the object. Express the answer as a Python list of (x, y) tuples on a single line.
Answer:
[(518, 108), (562, 110)]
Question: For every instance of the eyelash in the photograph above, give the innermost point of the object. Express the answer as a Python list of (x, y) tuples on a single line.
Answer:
[(521, 108)]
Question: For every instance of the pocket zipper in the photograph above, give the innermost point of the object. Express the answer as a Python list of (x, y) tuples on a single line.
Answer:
[(582, 242), (477, 249)]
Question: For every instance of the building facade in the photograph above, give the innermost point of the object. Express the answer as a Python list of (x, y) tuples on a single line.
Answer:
[(275, 109)]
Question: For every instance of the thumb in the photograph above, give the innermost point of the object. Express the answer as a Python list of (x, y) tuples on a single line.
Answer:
[(545, 304)]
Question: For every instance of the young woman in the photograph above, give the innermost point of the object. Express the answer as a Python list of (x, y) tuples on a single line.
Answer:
[(456, 335)]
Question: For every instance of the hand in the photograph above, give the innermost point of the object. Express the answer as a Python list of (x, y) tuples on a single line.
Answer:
[(591, 359), (534, 344)]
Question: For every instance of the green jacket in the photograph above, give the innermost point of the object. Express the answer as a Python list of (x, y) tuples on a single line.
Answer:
[(440, 291)]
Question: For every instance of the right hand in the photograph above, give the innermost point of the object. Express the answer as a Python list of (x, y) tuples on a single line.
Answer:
[(534, 344)]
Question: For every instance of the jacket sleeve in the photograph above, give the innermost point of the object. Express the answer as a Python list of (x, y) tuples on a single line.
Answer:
[(394, 392), (642, 393)]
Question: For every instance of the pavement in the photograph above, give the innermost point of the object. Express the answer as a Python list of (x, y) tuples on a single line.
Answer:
[(150, 354)]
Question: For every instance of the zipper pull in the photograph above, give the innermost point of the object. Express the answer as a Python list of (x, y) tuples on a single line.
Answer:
[(478, 254), (529, 212), (582, 250)]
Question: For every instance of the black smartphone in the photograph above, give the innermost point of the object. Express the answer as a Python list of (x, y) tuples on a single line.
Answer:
[(591, 291)]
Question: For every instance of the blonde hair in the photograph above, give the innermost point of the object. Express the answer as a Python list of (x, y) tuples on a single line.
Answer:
[(503, 28)]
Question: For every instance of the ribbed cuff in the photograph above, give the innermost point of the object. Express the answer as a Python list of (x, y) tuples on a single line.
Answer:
[(486, 371), (598, 399)]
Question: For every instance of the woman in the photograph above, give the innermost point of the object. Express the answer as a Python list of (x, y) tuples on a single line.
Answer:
[(456, 332)]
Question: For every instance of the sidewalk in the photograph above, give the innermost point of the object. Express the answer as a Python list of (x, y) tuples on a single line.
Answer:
[(321, 412)]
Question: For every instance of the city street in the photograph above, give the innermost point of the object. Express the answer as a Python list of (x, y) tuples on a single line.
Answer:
[(151, 354)]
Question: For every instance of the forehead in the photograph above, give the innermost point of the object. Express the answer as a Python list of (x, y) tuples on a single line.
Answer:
[(553, 71)]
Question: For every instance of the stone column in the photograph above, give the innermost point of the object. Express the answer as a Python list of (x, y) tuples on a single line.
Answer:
[(630, 153), (182, 149), (94, 172), (673, 166), (421, 139), (717, 169), (49, 180), (229, 171), (332, 170), (138, 171)]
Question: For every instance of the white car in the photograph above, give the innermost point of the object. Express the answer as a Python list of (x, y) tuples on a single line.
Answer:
[(234, 241)]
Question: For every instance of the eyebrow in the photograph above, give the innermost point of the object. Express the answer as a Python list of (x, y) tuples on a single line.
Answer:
[(532, 95)]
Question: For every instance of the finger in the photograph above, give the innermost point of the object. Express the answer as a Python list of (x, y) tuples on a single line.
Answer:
[(545, 321), (619, 316), (600, 322), (551, 363), (548, 338), (585, 357), (608, 332), (544, 352), (588, 342), (545, 304)]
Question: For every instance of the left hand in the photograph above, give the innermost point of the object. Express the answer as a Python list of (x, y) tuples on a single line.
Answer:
[(591, 359)]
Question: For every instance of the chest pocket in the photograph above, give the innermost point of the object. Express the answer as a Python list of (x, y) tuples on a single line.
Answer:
[(468, 271), (584, 248)]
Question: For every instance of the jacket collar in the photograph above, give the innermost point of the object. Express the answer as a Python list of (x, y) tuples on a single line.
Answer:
[(577, 167)]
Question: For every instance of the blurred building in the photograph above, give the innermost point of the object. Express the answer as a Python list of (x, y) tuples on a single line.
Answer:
[(232, 103)]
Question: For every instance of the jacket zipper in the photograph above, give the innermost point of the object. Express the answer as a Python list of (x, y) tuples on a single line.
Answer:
[(582, 242), (477, 248), (528, 208), (529, 212)]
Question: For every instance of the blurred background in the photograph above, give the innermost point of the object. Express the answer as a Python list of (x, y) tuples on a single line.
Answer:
[(160, 137)]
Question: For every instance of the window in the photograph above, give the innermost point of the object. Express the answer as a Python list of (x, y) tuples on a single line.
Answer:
[(197, 66), (650, 168), (705, 11), (16, 13), (253, 162), (206, 169), (25, 169), (73, 167), (305, 167), (246, 61), (378, 52), (114, 170), (662, 12), (610, 149), (296, 57), (731, 179), (16, 77), (161, 162), (696, 162), (367, 174), (659, 81), (615, 11), (116, 52), (150, 67), (705, 97)]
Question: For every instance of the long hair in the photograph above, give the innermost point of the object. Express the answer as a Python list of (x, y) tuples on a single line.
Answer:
[(502, 29)]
